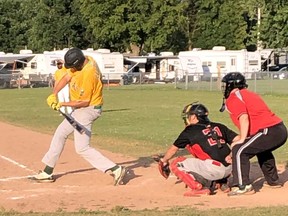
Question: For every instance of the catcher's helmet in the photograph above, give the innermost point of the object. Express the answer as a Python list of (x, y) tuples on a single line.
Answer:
[(74, 58), (197, 109), (231, 81)]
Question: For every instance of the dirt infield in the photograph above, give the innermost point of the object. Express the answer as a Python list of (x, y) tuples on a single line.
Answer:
[(79, 186)]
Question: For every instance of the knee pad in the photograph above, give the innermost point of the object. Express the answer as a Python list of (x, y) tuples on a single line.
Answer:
[(187, 178)]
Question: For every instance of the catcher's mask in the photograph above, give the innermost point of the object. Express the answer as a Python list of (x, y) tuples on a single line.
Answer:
[(231, 81), (74, 58), (197, 109)]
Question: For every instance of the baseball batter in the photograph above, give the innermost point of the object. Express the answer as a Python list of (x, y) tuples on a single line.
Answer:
[(87, 100), (261, 132), (63, 95), (208, 142)]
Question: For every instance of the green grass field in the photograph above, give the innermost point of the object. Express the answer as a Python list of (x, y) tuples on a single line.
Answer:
[(138, 121)]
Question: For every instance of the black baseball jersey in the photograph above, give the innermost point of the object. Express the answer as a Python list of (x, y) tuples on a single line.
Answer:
[(200, 141)]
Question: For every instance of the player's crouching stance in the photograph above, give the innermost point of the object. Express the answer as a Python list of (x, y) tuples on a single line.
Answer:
[(260, 133), (208, 142)]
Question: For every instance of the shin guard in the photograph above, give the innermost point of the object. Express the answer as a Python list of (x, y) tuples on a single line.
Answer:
[(187, 178)]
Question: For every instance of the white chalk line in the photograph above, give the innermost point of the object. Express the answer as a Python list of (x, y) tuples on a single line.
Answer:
[(23, 167), (30, 176), (14, 178), (17, 164)]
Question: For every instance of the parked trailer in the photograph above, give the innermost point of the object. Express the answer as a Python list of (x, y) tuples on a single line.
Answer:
[(42, 66), (10, 66), (39, 69), (191, 67), (150, 68), (219, 61), (111, 64)]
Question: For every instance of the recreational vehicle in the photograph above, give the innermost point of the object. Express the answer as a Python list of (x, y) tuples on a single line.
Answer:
[(192, 68), (42, 66), (110, 64), (219, 61), (10, 67), (150, 68)]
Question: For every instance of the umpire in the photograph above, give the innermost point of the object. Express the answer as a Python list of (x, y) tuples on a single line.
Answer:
[(260, 130)]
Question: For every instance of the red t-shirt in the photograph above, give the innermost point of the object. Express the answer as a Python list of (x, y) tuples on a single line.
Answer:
[(246, 102)]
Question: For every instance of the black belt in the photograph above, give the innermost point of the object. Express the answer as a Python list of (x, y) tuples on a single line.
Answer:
[(98, 107)]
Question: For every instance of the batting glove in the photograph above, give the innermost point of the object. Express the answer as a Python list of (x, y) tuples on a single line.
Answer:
[(56, 106), (52, 99)]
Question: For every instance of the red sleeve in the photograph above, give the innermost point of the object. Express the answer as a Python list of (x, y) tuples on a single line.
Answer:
[(236, 106)]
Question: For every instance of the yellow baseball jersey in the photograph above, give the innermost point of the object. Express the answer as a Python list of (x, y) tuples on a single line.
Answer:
[(59, 74), (86, 85)]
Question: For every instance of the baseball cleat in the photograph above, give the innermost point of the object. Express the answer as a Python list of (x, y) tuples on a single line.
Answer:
[(42, 177), (223, 187), (244, 190), (273, 185), (119, 175)]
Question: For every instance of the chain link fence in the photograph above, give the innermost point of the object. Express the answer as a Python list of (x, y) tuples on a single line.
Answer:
[(261, 82)]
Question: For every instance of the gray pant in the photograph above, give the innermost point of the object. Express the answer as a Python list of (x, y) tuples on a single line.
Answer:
[(85, 116), (206, 168)]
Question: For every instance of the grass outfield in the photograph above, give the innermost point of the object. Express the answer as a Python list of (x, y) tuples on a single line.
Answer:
[(138, 121)]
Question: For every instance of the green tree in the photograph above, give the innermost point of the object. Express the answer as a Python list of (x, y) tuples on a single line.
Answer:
[(142, 26), (274, 29), (13, 26), (137, 25), (56, 25), (166, 27), (221, 23), (107, 22)]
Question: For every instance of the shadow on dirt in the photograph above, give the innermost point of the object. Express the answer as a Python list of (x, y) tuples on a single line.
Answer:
[(144, 162), (56, 176), (256, 174), (257, 178)]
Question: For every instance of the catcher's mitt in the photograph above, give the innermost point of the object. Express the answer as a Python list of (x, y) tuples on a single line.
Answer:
[(164, 169)]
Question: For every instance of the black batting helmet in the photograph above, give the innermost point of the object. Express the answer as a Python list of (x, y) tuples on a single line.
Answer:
[(233, 80), (197, 109), (74, 58)]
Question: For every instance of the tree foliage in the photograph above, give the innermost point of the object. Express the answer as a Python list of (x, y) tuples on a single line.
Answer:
[(274, 29), (142, 26)]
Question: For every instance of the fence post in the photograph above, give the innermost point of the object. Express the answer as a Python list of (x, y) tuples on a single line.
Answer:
[(255, 82), (108, 82), (186, 79), (175, 78)]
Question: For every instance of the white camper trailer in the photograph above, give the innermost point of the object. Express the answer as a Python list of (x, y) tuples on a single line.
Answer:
[(41, 66), (151, 68), (169, 67), (10, 67), (191, 66), (110, 64), (219, 61)]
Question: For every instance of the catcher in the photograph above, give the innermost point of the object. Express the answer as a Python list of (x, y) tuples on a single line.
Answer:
[(208, 142)]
